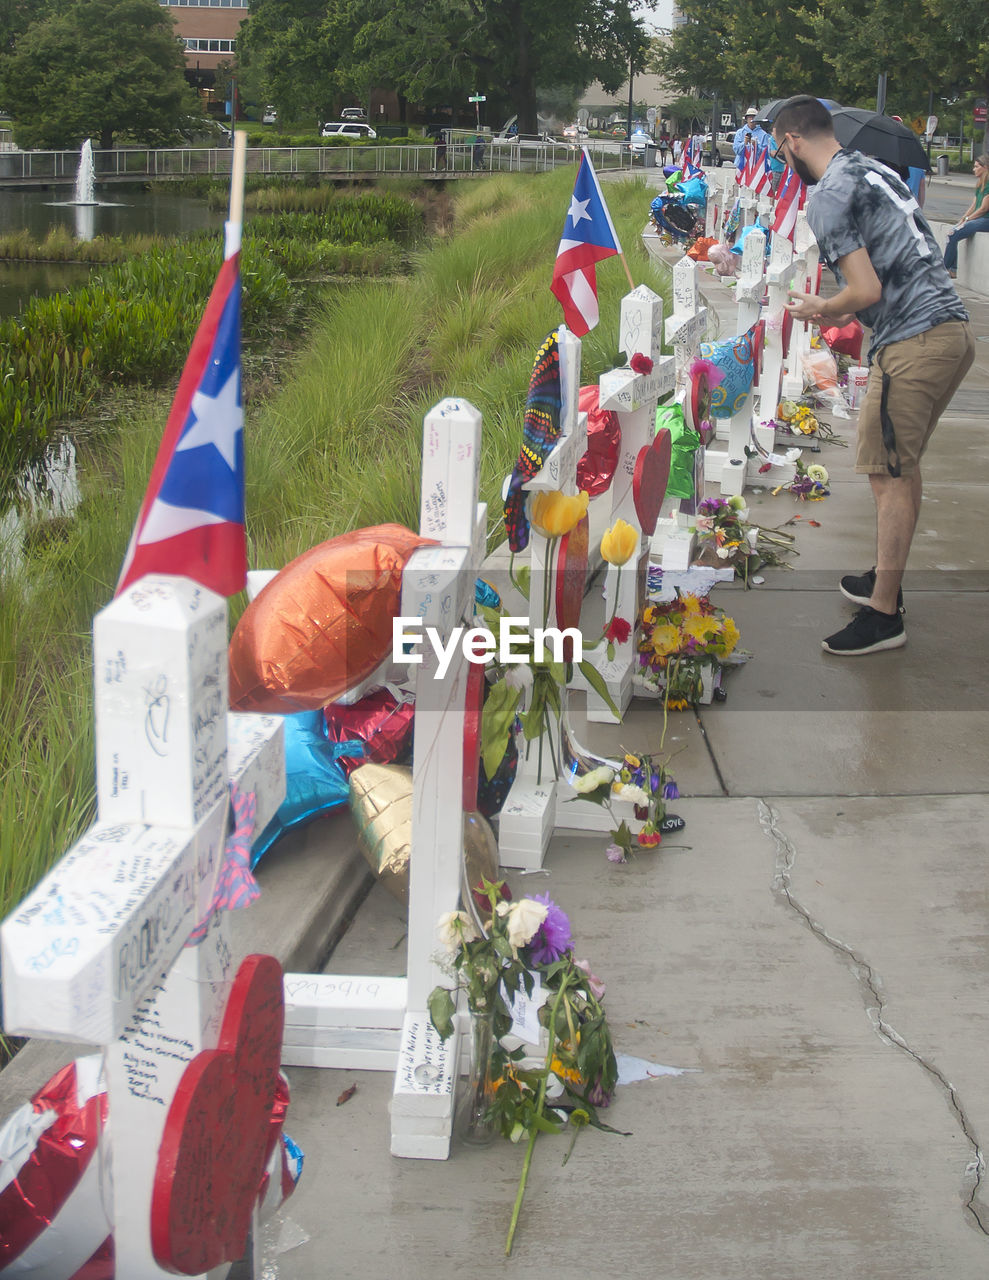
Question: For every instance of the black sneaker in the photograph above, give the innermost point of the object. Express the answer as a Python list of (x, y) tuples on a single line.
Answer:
[(859, 588), (868, 632)]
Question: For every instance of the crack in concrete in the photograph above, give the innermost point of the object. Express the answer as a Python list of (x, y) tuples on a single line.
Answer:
[(875, 1004)]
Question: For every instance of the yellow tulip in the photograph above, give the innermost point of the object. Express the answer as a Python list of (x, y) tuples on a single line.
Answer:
[(554, 514), (619, 543)]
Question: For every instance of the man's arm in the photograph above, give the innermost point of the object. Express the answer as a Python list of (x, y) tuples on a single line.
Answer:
[(862, 289)]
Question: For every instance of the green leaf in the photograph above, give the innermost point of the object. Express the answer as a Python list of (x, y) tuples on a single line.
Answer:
[(596, 681), (441, 1011), (522, 579), (496, 724)]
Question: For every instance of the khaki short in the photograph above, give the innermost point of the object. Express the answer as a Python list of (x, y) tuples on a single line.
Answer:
[(924, 373)]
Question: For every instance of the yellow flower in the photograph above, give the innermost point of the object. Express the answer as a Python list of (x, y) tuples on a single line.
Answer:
[(691, 604), (700, 628), (729, 636), (554, 514), (620, 543), (570, 1075), (665, 639)]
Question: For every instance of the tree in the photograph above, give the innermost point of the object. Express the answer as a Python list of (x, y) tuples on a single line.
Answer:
[(863, 39), (741, 50), (443, 50), (288, 46), (965, 25), (96, 69)]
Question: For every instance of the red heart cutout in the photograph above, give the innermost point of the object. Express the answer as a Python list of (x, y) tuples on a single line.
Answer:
[(571, 579), (474, 701), (652, 474), (212, 1154)]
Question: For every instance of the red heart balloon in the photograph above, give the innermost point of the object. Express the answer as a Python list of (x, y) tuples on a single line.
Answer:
[(212, 1154), (652, 474)]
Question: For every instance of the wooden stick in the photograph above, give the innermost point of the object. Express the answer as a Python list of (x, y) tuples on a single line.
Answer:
[(631, 282), (235, 219)]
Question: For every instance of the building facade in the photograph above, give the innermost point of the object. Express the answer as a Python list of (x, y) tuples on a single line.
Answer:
[(208, 30)]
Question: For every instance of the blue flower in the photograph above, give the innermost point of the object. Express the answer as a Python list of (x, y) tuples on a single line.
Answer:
[(553, 937), (670, 790)]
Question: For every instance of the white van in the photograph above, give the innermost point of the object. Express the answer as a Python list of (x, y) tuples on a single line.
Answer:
[(346, 129)]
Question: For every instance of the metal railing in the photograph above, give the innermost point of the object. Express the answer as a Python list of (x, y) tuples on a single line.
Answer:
[(137, 163)]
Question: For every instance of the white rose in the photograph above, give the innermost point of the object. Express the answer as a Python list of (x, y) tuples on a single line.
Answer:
[(454, 928), (524, 918), (591, 781)]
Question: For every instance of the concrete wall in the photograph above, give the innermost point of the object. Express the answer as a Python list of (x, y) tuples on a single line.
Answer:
[(973, 257)]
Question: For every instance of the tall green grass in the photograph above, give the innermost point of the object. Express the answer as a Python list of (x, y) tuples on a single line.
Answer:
[(336, 446)]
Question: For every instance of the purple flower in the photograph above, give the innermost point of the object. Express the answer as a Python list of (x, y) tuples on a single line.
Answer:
[(670, 790), (615, 853), (553, 937)]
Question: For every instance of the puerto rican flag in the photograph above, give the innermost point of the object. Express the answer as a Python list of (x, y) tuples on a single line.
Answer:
[(191, 522), (588, 237), (756, 172), (789, 202), (691, 170)]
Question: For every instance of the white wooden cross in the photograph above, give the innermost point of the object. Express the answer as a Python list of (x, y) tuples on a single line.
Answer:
[(804, 276), (686, 327), (378, 1023), (778, 273), (97, 953), (529, 813), (634, 398)]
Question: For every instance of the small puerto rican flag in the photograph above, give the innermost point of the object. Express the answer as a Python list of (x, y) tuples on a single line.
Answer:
[(789, 202), (588, 237), (191, 522)]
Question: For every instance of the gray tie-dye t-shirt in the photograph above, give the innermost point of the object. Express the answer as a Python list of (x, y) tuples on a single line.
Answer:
[(860, 204)]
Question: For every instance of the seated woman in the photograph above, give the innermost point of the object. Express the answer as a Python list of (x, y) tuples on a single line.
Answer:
[(976, 216)]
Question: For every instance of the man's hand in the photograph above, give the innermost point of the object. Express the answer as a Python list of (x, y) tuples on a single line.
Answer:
[(806, 306)]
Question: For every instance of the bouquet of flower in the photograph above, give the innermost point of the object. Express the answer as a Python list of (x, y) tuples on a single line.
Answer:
[(645, 781), (808, 483), (505, 950), (678, 639), (725, 536)]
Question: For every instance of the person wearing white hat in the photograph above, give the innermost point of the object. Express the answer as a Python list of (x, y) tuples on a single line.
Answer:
[(750, 134)]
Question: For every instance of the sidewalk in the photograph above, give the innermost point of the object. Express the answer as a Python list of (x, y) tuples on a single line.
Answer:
[(811, 952)]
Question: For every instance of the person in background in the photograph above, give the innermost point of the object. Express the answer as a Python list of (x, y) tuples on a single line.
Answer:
[(440, 150), (976, 216), (872, 235), (751, 134), (477, 152), (677, 150), (664, 145)]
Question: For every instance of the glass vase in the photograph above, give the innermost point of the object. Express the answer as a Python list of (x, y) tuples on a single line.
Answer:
[(472, 1125)]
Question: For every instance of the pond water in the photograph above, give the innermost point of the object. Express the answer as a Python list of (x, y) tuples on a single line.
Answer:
[(119, 213)]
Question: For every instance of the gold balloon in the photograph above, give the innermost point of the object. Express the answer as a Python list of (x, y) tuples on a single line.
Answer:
[(381, 804)]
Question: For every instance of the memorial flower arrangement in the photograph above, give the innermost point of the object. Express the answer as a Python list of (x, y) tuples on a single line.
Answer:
[(646, 781), (809, 483), (725, 536), (506, 948), (677, 640)]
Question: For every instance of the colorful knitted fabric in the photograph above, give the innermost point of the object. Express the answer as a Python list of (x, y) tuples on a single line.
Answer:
[(540, 432)]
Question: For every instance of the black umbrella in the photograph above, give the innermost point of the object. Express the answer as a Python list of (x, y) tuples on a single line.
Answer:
[(879, 136), (770, 111)]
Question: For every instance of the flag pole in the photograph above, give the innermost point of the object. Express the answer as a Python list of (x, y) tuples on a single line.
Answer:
[(631, 282), (235, 219)]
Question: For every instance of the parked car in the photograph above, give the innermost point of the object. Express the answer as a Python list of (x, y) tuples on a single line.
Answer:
[(516, 139), (619, 131), (269, 116), (575, 133), (353, 113), (346, 129), (722, 152)]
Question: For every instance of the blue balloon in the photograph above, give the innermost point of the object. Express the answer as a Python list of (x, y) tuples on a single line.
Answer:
[(315, 781)]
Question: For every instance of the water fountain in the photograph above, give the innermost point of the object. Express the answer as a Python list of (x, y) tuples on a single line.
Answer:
[(86, 176)]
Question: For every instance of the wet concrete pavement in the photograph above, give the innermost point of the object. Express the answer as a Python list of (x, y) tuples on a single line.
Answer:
[(811, 952)]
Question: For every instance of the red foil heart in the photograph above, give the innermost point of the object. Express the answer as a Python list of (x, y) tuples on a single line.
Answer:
[(213, 1151), (652, 474)]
